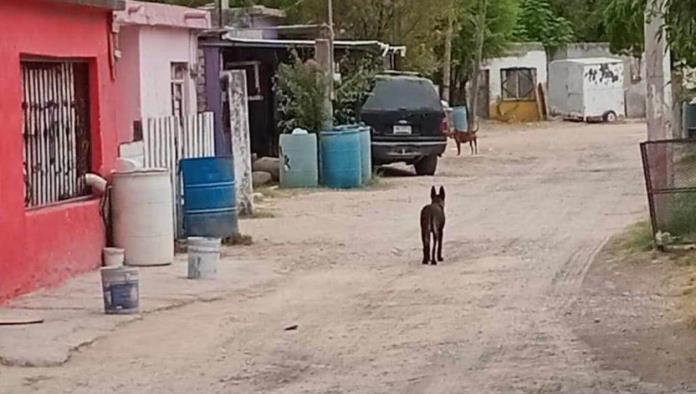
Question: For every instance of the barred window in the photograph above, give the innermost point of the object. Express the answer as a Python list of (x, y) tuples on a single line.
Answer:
[(56, 130)]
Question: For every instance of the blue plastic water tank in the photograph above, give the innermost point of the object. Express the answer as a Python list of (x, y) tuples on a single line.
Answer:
[(461, 122), (298, 161), (365, 149), (341, 164), (209, 197)]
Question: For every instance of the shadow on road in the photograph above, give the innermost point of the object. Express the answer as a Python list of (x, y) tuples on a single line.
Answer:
[(395, 172)]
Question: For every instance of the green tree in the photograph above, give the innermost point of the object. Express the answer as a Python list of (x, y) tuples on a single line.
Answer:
[(680, 25), (624, 21), (585, 16), (413, 23), (538, 22), (483, 31)]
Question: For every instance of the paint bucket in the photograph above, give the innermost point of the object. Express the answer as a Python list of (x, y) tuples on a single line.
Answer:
[(113, 257), (203, 257), (120, 288)]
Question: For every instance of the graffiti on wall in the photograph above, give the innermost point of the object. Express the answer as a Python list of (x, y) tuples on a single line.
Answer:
[(607, 74)]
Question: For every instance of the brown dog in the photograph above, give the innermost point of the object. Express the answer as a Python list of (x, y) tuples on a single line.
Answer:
[(432, 222), (462, 137)]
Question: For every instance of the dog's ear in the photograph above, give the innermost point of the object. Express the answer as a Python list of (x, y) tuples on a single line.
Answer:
[(442, 192), (433, 194)]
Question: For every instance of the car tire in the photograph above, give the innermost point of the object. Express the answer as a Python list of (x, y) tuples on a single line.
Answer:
[(609, 117), (427, 165)]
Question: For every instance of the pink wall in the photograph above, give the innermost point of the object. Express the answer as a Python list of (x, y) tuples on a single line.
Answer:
[(152, 36), (159, 47), (128, 82), (41, 247)]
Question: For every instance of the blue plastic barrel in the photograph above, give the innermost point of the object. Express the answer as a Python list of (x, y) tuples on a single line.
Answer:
[(461, 122), (365, 149), (298, 161), (209, 197), (341, 164)]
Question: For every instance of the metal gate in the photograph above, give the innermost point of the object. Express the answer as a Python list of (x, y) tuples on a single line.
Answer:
[(56, 130), (670, 178)]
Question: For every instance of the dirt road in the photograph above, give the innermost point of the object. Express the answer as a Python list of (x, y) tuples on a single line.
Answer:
[(524, 220)]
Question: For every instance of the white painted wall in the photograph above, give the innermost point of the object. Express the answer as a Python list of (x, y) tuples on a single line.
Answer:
[(159, 47), (522, 59)]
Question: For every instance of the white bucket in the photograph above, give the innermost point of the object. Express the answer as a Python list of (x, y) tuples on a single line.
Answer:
[(113, 257), (203, 257), (120, 290)]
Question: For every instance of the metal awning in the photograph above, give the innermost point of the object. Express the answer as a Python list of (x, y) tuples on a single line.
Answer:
[(367, 45)]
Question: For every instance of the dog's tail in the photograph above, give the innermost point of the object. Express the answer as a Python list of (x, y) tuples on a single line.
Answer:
[(478, 124)]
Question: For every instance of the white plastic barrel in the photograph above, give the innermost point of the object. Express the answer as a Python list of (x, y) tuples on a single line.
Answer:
[(142, 216), (203, 257), (113, 257)]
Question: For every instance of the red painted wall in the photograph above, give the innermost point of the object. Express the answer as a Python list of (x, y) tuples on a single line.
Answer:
[(44, 246)]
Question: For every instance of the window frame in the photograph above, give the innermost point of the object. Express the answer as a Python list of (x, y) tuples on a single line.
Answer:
[(518, 72)]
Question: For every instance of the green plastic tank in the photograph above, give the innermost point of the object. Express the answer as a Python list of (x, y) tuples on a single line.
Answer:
[(298, 161)]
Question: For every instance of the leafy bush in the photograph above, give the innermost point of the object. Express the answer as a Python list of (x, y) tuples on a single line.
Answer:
[(356, 84), (300, 87)]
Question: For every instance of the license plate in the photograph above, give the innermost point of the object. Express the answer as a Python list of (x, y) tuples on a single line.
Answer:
[(402, 129)]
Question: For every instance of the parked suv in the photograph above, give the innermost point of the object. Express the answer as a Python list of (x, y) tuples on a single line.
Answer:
[(408, 119)]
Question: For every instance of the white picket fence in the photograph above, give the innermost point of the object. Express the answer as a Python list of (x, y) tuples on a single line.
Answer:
[(169, 139)]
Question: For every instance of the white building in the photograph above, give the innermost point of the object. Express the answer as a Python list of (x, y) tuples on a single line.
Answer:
[(510, 84)]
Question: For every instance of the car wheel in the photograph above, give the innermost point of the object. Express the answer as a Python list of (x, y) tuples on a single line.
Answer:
[(610, 117), (427, 165)]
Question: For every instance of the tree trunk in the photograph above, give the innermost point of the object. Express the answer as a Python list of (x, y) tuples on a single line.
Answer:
[(447, 66), (476, 72)]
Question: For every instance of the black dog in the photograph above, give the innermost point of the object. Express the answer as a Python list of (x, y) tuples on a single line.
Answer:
[(432, 221)]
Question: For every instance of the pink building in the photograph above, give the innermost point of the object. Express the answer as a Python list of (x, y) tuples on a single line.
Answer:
[(157, 64)]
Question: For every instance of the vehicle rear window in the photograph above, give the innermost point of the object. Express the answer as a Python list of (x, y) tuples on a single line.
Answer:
[(410, 94)]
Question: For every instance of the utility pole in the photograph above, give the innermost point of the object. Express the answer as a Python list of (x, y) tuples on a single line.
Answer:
[(478, 59), (222, 5), (447, 66), (332, 37), (658, 74), (658, 104)]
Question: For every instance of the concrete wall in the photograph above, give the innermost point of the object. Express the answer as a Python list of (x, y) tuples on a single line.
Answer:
[(44, 246), (581, 50)]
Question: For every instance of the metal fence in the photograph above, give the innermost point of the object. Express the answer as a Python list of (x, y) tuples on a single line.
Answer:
[(56, 130), (670, 178), (169, 139)]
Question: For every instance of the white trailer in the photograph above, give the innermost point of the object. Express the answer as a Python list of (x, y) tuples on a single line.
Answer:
[(589, 90)]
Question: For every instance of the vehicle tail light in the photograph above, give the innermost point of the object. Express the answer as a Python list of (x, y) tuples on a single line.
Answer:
[(444, 126)]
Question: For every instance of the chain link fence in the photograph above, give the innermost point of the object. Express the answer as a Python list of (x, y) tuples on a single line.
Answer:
[(670, 177)]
